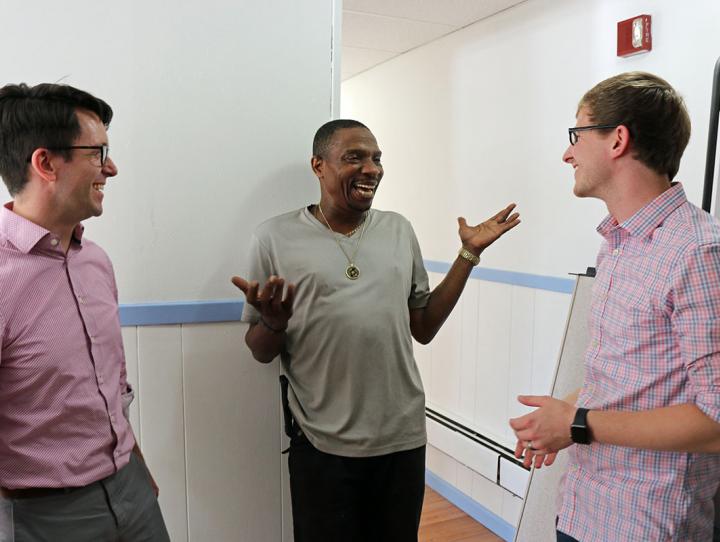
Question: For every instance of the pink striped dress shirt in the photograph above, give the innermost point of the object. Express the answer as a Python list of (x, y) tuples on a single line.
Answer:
[(62, 366), (655, 330)]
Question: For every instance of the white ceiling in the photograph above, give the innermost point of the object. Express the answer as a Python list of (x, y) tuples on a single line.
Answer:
[(374, 31)]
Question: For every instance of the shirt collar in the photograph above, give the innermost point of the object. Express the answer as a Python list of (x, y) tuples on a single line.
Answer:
[(25, 234), (648, 218)]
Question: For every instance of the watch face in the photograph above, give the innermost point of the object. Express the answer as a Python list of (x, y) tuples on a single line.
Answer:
[(579, 434)]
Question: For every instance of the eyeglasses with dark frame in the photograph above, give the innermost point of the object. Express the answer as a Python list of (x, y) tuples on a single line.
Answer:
[(572, 132), (104, 151)]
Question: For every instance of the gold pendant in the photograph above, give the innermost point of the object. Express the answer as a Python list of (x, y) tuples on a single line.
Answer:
[(352, 272)]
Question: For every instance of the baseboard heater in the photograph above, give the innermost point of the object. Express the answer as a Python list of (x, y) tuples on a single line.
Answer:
[(479, 452)]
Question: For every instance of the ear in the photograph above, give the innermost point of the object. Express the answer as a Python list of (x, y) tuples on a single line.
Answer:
[(43, 165), (620, 141), (317, 163)]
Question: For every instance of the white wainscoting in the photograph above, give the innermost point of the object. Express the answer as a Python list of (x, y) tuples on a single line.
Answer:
[(207, 418)]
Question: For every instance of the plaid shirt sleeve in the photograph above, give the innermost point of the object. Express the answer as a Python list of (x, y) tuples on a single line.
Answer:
[(695, 295)]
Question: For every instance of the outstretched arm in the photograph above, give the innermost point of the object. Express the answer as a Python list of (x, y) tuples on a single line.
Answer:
[(427, 321)]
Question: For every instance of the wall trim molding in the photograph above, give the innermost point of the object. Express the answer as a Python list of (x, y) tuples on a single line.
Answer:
[(180, 312), (230, 310), (470, 506), (515, 278)]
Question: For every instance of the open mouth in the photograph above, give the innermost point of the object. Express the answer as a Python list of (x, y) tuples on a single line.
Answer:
[(366, 190), (98, 187)]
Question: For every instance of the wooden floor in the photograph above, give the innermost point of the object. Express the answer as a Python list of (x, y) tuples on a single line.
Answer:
[(441, 521)]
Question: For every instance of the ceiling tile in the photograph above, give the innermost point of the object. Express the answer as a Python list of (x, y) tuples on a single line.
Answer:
[(387, 33), (450, 12), (355, 60)]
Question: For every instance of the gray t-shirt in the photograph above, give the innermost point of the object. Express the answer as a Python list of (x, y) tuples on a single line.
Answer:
[(355, 389)]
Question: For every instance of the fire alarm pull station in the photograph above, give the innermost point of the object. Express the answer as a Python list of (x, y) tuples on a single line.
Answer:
[(634, 36)]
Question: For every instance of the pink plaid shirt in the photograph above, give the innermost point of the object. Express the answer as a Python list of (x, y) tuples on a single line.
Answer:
[(62, 367), (655, 330)]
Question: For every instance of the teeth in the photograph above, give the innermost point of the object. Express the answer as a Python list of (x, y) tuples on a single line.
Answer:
[(99, 187)]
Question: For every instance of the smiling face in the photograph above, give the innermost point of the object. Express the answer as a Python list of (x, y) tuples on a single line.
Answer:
[(349, 172), (589, 159), (81, 179)]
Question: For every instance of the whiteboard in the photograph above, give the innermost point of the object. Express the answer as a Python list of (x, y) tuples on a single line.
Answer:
[(537, 519)]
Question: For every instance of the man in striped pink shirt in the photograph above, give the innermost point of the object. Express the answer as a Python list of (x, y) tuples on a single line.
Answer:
[(70, 469), (644, 430)]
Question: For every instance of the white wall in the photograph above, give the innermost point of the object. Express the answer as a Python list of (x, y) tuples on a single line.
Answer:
[(478, 119), (216, 103)]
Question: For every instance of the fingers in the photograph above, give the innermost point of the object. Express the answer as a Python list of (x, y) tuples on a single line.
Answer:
[(550, 459), (502, 216), (462, 223), (240, 282), (533, 400), (289, 298)]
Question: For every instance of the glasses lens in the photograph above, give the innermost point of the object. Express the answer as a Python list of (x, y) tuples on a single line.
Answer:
[(104, 154)]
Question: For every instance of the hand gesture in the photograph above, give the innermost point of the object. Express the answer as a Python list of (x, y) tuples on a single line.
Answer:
[(478, 238), (532, 456), (269, 302), (543, 432)]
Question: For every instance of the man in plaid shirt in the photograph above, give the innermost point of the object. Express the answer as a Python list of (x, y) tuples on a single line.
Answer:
[(644, 430)]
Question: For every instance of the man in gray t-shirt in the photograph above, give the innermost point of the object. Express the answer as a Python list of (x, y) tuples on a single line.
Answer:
[(344, 292)]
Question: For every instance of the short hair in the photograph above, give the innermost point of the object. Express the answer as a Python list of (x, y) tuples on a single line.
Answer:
[(43, 115), (652, 111), (324, 135)]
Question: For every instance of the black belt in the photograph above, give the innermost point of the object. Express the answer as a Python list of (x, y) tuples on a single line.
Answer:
[(36, 492)]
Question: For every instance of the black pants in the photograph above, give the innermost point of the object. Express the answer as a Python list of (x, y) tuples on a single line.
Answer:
[(350, 499)]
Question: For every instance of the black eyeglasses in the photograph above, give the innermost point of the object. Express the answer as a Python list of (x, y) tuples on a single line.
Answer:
[(104, 151), (572, 132)]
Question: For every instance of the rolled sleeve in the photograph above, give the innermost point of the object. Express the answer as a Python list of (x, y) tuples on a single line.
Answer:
[(696, 318)]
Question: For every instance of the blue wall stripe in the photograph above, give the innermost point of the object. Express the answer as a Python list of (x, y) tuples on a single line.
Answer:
[(197, 312), (471, 507), (180, 312), (528, 280)]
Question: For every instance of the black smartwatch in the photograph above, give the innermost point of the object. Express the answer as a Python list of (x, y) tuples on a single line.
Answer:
[(579, 430)]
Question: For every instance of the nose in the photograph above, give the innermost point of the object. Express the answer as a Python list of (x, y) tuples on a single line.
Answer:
[(568, 156), (110, 169), (370, 167)]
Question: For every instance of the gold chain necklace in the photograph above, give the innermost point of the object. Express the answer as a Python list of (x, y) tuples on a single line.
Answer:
[(351, 271)]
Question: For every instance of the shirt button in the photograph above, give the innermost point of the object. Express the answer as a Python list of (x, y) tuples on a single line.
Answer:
[(112, 417), (80, 299), (54, 242), (616, 252), (100, 379)]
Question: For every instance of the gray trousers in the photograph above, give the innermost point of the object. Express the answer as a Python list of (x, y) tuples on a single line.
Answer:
[(119, 508)]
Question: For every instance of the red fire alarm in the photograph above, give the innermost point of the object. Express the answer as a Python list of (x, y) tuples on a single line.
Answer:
[(634, 36)]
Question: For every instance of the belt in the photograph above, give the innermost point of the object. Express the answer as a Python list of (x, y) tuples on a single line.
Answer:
[(36, 492)]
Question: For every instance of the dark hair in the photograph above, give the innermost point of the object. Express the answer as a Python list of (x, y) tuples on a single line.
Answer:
[(652, 111), (324, 135), (40, 116)]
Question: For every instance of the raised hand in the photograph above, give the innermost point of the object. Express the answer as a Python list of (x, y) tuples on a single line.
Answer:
[(478, 238), (275, 310)]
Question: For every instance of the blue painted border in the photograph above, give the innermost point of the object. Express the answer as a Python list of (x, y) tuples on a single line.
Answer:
[(528, 280), (196, 312), (180, 312), (471, 507)]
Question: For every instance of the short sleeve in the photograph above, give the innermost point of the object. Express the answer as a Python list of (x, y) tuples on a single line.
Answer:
[(420, 288), (260, 268)]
